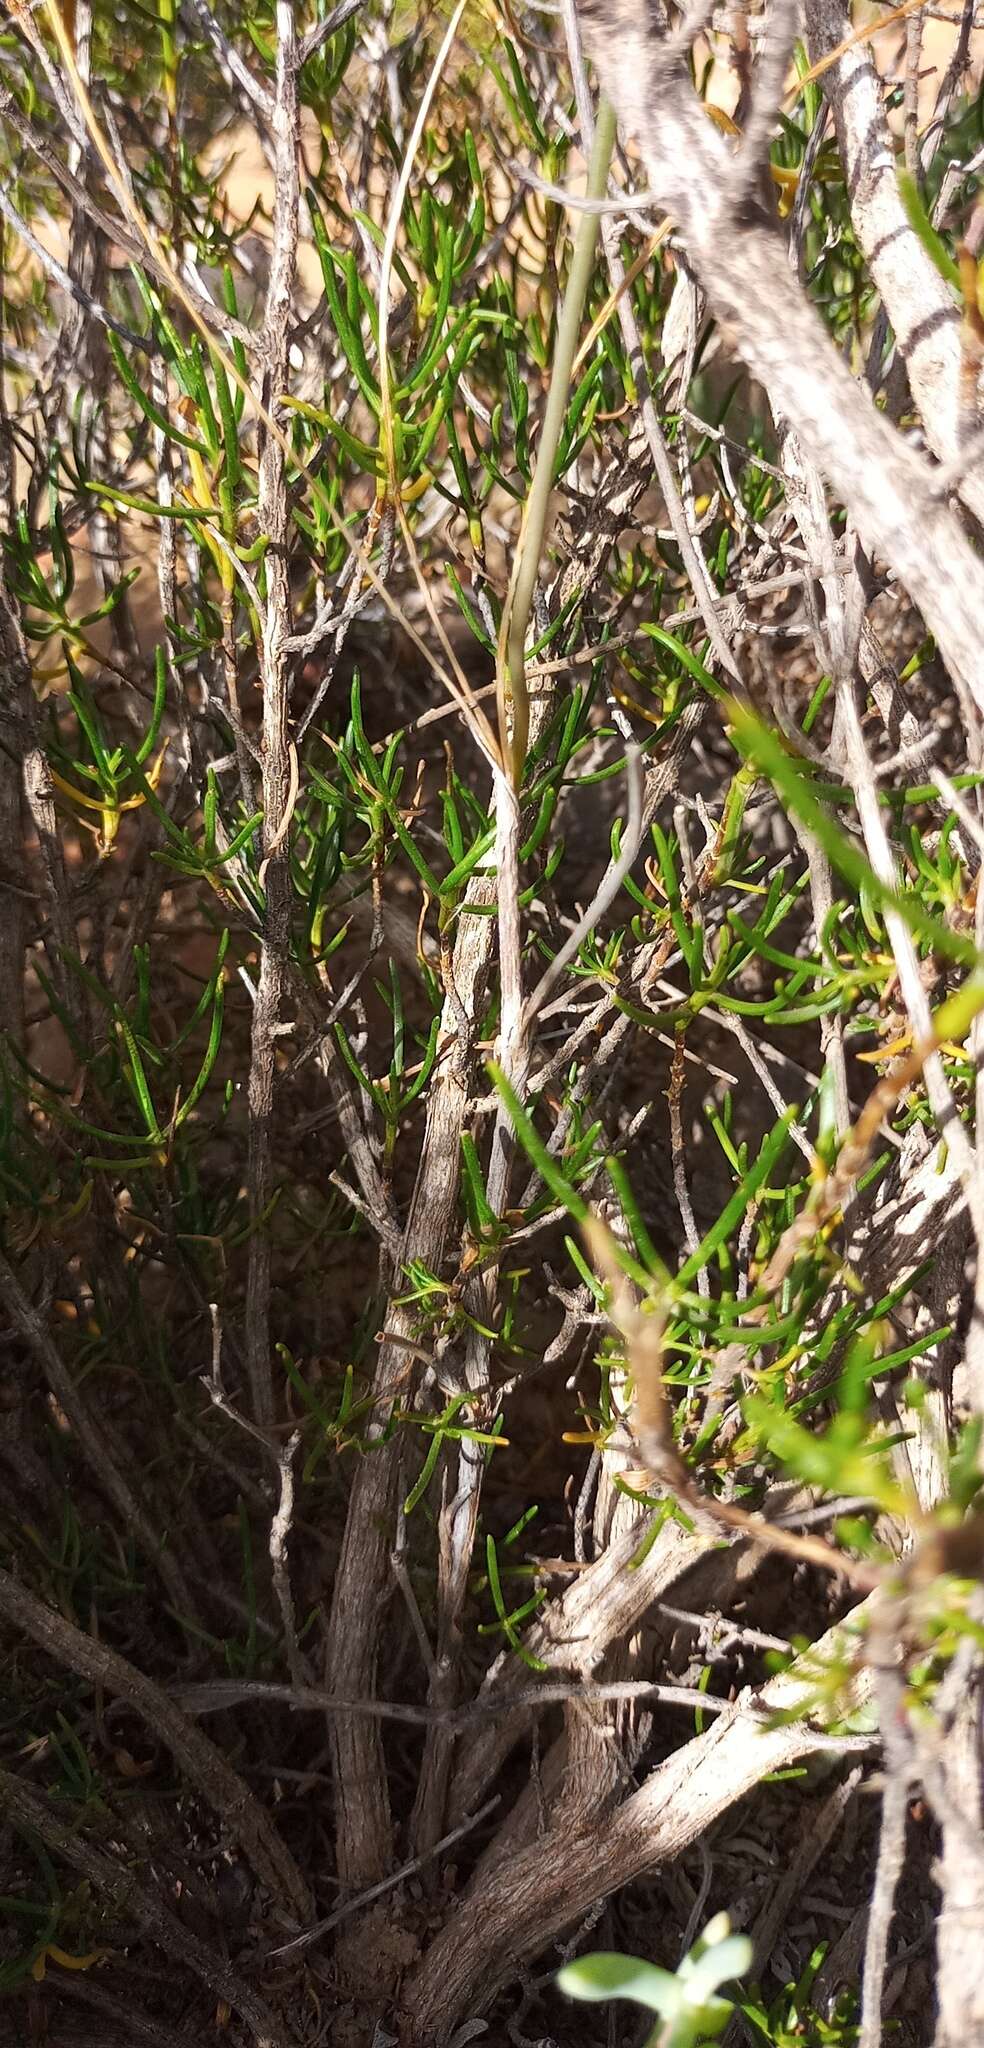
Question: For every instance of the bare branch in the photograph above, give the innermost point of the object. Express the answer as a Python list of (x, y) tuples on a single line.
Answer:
[(114, 1881), (543, 1890), (276, 750), (204, 1765), (918, 303), (884, 483)]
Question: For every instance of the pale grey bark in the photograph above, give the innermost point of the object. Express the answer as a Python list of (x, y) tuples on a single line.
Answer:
[(738, 256), (919, 304)]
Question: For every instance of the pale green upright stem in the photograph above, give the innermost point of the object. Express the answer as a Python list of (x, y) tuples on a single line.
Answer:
[(529, 547)]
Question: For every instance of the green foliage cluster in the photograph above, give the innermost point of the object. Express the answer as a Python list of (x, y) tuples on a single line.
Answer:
[(142, 580)]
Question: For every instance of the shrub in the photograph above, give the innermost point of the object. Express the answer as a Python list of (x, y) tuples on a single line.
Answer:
[(491, 987)]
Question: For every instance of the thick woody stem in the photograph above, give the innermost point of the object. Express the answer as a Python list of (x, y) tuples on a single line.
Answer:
[(364, 1838), (738, 255), (920, 308), (534, 1895)]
